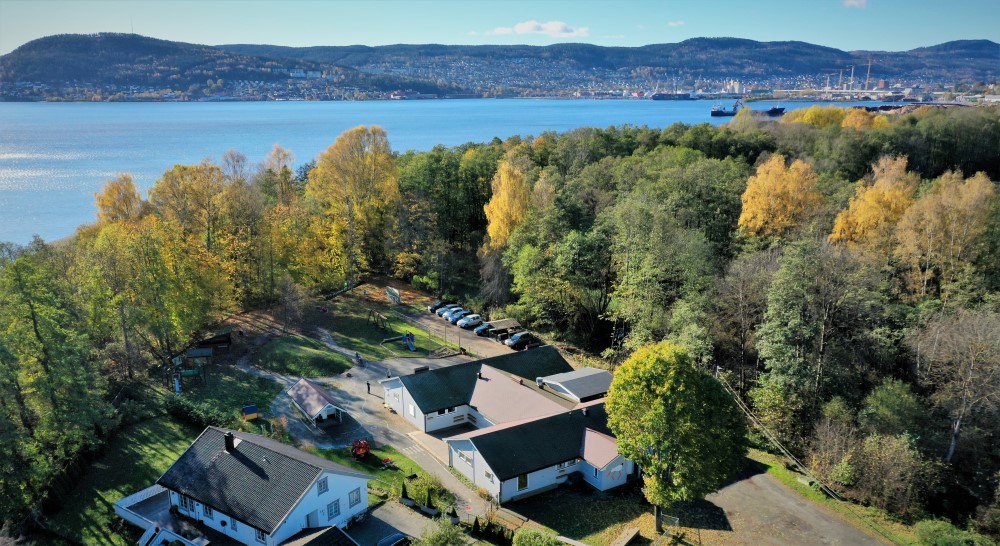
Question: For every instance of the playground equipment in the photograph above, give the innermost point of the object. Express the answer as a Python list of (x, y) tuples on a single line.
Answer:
[(378, 319), (360, 448), (393, 295)]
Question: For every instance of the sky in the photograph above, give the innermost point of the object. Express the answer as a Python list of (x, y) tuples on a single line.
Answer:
[(887, 25)]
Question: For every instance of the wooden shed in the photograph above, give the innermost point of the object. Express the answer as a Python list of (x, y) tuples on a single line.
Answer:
[(314, 402)]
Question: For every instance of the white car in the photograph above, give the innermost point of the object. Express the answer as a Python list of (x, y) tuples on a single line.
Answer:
[(470, 321)]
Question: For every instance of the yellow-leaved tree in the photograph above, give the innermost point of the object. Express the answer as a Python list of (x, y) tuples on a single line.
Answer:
[(870, 218), (858, 118), (119, 201), (778, 198), (511, 197), (941, 234), (817, 116), (356, 185)]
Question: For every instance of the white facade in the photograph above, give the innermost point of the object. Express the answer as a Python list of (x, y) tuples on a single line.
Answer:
[(397, 398), (311, 510)]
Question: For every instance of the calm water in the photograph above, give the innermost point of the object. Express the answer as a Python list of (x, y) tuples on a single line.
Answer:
[(54, 156)]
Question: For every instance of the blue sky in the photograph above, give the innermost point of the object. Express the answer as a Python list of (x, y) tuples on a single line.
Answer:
[(891, 25)]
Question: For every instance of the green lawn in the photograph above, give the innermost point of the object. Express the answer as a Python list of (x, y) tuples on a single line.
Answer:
[(390, 480), (582, 514), (134, 460), (348, 321), (302, 357), (228, 389)]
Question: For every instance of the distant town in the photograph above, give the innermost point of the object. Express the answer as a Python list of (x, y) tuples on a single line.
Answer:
[(135, 68)]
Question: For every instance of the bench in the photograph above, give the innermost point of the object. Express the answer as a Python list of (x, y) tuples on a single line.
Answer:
[(626, 536)]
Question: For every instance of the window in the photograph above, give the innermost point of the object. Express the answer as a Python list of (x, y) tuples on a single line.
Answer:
[(187, 503), (489, 477), (234, 526), (464, 457), (323, 486), (412, 412), (354, 498), (332, 510), (567, 464), (597, 472), (522, 482), (259, 535), (446, 411), (209, 512)]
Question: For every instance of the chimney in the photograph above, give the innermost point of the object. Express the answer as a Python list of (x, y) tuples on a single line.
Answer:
[(480, 375), (230, 442)]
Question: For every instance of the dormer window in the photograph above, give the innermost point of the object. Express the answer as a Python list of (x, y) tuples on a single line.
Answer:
[(323, 486), (260, 536)]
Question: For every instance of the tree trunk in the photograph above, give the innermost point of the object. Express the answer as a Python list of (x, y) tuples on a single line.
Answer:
[(658, 517), (956, 429)]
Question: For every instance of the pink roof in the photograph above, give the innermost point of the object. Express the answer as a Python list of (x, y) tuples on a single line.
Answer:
[(310, 397), (599, 449), (518, 422), (501, 399)]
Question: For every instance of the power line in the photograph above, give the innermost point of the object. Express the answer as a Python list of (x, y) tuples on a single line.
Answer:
[(802, 468)]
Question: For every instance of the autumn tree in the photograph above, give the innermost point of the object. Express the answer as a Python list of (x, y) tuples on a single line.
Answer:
[(778, 198), (941, 234), (187, 195), (677, 423), (876, 207), (511, 193), (355, 183), (959, 358), (119, 201), (817, 116)]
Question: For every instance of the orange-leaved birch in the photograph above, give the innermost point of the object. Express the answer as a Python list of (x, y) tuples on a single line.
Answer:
[(778, 198)]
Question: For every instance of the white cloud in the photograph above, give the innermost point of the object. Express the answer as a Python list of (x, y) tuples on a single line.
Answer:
[(673, 24), (555, 29), (855, 3)]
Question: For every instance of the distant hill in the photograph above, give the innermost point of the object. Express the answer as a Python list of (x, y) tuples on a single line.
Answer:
[(130, 59), (112, 62), (708, 57)]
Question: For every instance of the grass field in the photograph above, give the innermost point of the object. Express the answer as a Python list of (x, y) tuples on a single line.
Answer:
[(582, 514), (132, 461), (390, 480), (302, 357), (348, 320), (228, 389)]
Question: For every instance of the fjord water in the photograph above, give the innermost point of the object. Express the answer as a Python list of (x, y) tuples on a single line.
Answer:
[(54, 156)]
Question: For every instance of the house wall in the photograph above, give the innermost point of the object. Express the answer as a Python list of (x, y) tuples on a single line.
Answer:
[(476, 470), (538, 481), (397, 398), (462, 415), (244, 533), (614, 474), (339, 488)]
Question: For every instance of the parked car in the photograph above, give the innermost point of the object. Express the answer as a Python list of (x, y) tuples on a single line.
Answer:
[(395, 539), (453, 312), (502, 335), (470, 321), (437, 305), (445, 308), (455, 317), (483, 329), (522, 340)]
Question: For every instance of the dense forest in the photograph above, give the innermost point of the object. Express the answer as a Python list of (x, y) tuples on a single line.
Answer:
[(838, 268)]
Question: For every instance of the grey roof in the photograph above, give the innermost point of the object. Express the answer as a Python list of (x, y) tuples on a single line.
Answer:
[(258, 483), (453, 385), (529, 446), (199, 352), (584, 384), (311, 397), (503, 324)]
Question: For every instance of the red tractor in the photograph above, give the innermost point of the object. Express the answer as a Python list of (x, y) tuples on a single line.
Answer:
[(360, 448)]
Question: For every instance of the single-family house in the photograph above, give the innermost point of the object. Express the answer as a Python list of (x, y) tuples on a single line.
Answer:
[(314, 402), (526, 457), (249, 489)]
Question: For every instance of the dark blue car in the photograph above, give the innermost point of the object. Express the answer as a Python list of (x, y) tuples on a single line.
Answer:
[(483, 329)]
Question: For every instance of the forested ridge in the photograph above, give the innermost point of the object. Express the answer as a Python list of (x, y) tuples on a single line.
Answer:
[(839, 268)]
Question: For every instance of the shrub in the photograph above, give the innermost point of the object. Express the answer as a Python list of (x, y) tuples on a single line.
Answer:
[(199, 415), (530, 537), (936, 532)]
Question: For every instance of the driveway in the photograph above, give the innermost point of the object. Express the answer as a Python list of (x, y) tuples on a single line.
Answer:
[(387, 519), (763, 511)]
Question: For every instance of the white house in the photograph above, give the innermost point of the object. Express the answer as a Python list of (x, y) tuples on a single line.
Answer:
[(314, 402), (523, 458), (482, 393), (250, 489)]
